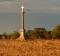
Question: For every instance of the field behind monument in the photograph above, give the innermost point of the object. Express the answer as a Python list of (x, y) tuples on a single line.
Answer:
[(37, 47)]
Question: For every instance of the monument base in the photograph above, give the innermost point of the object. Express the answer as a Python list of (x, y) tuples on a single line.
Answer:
[(22, 35), (21, 38)]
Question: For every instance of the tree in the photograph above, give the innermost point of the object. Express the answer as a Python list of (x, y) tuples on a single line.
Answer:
[(10, 36), (29, 34), (56, 32), (14, 35), (4, 35), (37, 33), (40, 32), (48, 35), (0, 36)]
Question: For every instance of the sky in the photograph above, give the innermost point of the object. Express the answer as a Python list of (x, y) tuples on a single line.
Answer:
[(38, 13)]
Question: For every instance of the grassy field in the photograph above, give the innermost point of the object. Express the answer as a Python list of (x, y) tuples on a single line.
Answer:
[(30, 48)]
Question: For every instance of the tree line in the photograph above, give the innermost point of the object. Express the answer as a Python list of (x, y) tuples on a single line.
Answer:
[(35, 33)]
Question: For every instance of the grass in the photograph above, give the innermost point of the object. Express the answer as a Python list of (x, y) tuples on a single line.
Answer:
[(37, 47)]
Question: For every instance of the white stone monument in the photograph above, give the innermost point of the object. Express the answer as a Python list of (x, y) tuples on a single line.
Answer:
[(22, 31)]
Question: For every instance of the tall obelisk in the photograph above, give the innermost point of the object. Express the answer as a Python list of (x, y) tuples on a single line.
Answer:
[(22, 32)]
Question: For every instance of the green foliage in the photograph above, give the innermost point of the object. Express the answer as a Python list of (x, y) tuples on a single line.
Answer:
[(14, 35), (29, 33), (48, 35), (40, 32), (56, 32), (0, 36), (4, 35), (35, 33)]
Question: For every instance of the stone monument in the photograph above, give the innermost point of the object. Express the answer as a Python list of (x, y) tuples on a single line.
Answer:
[(22, 31)]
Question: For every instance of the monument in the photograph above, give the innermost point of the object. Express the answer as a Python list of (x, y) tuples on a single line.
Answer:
[(22, 31)]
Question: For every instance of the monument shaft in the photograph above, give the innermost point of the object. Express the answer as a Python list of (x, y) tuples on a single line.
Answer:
[(22, 20), (22, 31)]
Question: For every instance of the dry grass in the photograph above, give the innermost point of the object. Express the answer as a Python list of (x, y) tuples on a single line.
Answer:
[(30, 48)]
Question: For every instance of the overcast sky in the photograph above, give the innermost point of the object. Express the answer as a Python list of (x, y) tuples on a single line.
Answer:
[(41, 5), (39, 13)]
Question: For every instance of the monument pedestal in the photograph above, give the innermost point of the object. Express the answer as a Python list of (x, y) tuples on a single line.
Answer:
[(22, 34), (21, 37)]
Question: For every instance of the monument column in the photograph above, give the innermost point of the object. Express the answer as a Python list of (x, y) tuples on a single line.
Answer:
[(22, 33)]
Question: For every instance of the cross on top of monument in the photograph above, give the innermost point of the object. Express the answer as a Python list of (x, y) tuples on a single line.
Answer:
[(22, 8)]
